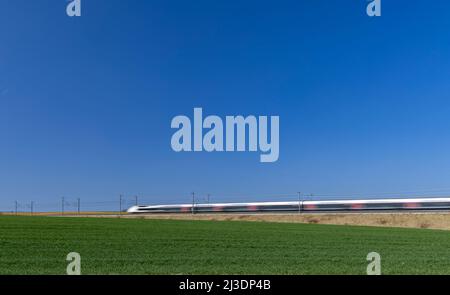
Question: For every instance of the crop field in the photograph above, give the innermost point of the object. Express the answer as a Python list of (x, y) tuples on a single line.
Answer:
[(39, 245)]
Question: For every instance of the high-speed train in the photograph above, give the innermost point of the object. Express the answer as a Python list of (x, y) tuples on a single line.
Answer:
[(412, 204)]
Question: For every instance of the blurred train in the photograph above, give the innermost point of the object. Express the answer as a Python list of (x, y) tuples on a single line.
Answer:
[(412, 204)]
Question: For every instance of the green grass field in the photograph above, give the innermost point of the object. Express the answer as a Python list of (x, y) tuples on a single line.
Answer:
[(39, 245)]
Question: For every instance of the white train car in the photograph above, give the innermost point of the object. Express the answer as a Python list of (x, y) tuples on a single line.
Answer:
[(411, 204)]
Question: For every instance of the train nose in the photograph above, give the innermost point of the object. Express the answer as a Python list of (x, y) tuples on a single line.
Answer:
[(133, 209)]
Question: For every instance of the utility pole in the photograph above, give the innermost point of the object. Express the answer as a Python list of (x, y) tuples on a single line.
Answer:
[(193, 203), (62, 206), (16, 207), (299, 202), (31, 208), (136, 200), (208, 198), (78, 201), (120, 205)]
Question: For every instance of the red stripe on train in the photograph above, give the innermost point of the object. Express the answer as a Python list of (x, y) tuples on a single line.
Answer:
[(357, 206), (310, 207), (411, 205)]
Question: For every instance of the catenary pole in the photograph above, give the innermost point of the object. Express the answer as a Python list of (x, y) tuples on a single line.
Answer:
[(299, 202), (120, 205)]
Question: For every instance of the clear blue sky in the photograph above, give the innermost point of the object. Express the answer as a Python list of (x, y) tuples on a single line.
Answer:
[(86, 103)]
